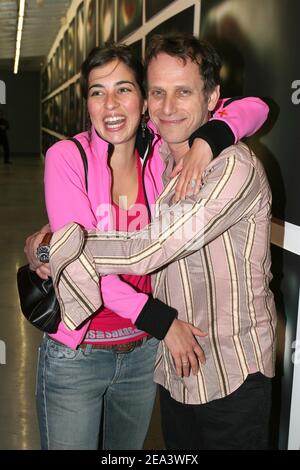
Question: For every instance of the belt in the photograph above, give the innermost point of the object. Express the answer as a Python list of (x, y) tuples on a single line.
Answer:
[(120, 347)]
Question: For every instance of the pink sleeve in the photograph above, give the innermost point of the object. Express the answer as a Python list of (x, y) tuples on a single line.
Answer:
[(67, 201), (121, 298), (244, 116)]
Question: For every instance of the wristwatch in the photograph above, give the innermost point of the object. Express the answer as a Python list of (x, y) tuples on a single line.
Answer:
[(42, 252)]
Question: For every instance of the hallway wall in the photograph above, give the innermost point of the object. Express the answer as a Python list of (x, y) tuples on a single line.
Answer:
[(22, 110)]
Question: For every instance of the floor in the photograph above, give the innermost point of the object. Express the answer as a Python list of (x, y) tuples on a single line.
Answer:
[(22, 213)]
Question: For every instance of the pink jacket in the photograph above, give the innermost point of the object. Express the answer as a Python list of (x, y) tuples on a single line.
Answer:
[(67, 201)]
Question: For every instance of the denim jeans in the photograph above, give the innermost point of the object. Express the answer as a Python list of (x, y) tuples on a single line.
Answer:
[(79, 389)]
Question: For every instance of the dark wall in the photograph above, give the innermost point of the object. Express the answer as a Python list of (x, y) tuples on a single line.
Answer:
[(257, 40), (22, 110)]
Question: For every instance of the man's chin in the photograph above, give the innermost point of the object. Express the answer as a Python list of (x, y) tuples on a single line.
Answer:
[(171, 140)]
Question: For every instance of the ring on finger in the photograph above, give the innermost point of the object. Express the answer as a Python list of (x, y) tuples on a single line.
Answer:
[(193, 183)]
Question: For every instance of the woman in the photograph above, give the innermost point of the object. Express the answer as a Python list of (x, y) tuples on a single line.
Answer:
[(103, 371)]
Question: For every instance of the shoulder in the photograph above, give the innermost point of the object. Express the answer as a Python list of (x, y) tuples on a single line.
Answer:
[(66, 150), (236, 166), (244, 158), (238, 154)]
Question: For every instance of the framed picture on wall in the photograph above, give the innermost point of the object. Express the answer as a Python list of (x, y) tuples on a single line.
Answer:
[(106, 21), (49, 79), (57, 110), (80, 36), (182, 22), (65, 107), (130, 17), (54, 70), (65, 55), (45, 82), (155, 6), (71, 49), (50, 113), (91, 25), (45, 114), (72, 119), (60, 63), (79, 108)]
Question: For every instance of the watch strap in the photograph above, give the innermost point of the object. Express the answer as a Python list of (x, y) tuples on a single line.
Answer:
[(46, 239)]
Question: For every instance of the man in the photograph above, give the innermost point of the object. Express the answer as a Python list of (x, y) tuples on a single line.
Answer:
[(4, 126), (212, 261)]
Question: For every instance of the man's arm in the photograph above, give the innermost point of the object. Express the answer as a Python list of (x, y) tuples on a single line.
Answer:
[(230, 190)]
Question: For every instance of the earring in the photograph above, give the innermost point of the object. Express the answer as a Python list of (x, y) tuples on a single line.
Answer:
[(143, 125)]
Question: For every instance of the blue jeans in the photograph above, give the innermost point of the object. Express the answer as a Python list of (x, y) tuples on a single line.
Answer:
[(76, 390)]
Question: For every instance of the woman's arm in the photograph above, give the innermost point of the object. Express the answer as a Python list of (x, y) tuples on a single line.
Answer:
[(66, 201), (232, 120)]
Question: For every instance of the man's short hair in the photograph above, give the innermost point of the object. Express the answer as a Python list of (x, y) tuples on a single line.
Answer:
[(186, 46)]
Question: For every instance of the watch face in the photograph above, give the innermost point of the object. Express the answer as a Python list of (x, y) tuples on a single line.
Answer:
[(43, 253)]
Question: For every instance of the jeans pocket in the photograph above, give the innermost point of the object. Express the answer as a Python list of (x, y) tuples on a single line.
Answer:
[(56, 350), (152, 343)]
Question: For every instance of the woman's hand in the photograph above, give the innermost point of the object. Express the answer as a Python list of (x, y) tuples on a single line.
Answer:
[(182, 344), (191, 168), (31, 245)]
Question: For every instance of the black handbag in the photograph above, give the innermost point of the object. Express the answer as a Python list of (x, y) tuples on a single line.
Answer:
[(37, 297)]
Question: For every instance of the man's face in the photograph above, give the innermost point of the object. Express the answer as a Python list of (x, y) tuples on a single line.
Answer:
[(176, 102)]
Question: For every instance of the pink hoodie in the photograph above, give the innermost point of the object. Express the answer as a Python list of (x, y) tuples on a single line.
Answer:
[(67, 201)]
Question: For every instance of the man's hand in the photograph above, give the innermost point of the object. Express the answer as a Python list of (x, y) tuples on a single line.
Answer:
[(186, 352), (191, 168), (31, 245)]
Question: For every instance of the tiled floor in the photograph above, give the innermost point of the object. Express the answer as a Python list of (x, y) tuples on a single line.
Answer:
[(22, 213)]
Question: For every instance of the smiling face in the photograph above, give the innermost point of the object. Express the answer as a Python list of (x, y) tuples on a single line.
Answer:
[(176, 101), (115, 102)]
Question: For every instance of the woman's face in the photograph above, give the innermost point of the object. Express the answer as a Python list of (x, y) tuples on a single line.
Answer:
[(115, 102)]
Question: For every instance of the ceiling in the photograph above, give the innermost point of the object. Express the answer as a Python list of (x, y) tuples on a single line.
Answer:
[(42, 22)]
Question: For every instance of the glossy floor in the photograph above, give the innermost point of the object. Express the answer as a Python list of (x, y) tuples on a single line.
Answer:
[(22, 213)]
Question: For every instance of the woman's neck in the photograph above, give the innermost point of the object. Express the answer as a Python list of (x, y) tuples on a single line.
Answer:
[(123, 157)]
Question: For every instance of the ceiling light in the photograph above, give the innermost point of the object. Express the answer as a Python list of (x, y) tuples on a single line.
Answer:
[(19, 34)]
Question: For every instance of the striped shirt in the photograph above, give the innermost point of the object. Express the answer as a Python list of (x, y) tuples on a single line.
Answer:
[(210, 255)]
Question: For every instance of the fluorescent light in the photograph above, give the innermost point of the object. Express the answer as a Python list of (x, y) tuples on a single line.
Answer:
[(20, 22), (22, 8), (19, 34), (17, 57)]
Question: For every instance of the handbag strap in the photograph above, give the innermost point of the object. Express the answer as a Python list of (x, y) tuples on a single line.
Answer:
[(84, 159)]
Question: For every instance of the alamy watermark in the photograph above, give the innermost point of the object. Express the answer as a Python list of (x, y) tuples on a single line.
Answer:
[(296, 94), (2, 352), (2, 92), (182, 223)]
